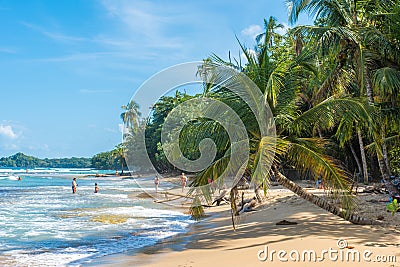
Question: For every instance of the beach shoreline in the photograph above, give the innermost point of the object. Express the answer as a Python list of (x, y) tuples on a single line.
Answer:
[(44, 224), (213, 240), (151, 254)]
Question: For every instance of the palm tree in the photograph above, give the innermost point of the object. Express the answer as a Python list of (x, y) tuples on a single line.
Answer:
[(119, 154), (131, 115), (278, 81)]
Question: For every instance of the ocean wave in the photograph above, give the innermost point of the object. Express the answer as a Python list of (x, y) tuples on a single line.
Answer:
[(40, 213)]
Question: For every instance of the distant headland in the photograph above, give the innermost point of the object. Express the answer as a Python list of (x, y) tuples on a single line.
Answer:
[(102, 160)]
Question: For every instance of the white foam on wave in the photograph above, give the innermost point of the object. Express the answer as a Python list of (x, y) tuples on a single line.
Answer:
[(43, 258), (50, 216), (119, 196), (11, 177), (140, 211)]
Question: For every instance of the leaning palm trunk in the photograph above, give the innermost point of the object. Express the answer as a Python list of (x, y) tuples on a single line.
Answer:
[(363, 158), (356, 158), (386, 158), (320, 202), (393, 190), (384, 151), (257, 193)]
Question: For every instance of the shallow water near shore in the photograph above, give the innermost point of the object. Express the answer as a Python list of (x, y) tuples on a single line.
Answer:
[(43, 224)]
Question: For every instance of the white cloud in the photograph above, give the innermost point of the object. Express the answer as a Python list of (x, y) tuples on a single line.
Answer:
[(123, 129), (147, 22), (77, 57), (243, 56), (282, 31), (140, 24), (7, 130), (53, 35), (252, 30)]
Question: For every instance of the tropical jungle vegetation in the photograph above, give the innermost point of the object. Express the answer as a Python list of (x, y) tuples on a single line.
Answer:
[(333, 89)]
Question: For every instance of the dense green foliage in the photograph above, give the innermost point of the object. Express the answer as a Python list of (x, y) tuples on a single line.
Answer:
[(333, 88), (395, 160), (22, 160), (105, 161), (153, 130), (102, 161)]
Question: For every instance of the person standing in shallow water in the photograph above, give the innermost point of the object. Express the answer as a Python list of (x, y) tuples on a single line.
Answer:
[(96, 188), (74, 186), (156, 182)]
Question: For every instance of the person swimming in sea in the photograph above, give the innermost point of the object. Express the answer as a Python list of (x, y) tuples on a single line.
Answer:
[(96, 188), (74, 185)]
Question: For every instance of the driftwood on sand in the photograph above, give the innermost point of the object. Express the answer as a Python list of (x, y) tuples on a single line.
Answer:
[(221, 197)]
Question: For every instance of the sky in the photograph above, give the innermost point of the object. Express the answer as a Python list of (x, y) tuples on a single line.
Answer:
[(67, 66)]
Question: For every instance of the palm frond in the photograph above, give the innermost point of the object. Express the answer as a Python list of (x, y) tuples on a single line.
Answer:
[(307, 155), (386, 82), (329, 113)]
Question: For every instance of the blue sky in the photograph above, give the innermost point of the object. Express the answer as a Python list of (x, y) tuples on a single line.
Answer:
[(68, 66)]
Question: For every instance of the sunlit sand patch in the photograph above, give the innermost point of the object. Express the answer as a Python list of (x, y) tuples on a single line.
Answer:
[(110, 218), (79, 212), (140, 195), (72, 215)]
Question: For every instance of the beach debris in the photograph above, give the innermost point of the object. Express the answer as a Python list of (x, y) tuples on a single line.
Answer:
[(221, 197), (144, 195), (285, 222), (373, 189), (166, 200), (243, 184)]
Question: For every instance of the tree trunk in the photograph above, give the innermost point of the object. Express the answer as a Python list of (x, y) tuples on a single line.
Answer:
[(363, 158), (384, 151), (368, 88), (393, 190), (256, 192), (320, 202), (356, 158), (234, 210), (319, 133)]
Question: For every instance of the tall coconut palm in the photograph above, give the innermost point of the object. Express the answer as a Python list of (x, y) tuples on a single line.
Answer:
[(119, 154), (131, 115), (278, 81)]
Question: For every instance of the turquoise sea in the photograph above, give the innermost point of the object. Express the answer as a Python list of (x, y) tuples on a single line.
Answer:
[(43, 224)]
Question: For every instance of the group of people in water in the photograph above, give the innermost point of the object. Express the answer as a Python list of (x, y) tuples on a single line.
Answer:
[(75, 186), (183, 177)]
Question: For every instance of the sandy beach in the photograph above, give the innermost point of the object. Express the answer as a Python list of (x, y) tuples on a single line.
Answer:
[(319, 238)]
